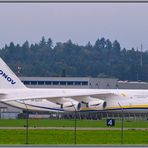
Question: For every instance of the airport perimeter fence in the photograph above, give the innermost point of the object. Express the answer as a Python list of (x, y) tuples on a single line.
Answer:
[(86, 115), (88, 127), (91, 115)]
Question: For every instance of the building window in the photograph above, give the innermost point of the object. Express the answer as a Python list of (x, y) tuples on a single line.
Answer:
[(33, 82), (47, 82), (84, 83), (26, 82), (55, 82), (63, 83), (108, 86), (77, 83), (69, 83), (3, 109), (40, 82), (117, 86)]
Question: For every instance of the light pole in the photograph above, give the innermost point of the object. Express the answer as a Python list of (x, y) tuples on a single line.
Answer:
[(75, 140), (27, 131), (121, 123)]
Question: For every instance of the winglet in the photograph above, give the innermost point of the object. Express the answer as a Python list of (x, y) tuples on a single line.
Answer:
[(8, 80)]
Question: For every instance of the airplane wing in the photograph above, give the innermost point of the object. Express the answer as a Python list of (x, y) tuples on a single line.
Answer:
[(67, 99), (58, 95)]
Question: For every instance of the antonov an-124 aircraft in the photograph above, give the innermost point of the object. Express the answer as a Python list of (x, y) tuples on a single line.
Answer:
[(15, 93)]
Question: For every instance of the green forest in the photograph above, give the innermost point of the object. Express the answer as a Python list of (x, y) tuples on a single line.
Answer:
[(103, 59)]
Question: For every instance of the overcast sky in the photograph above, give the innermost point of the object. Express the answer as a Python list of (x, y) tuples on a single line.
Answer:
[(127, 23)]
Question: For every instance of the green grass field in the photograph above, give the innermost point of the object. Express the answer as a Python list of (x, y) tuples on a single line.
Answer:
[(70, 123), (36, 136), (67, 137)]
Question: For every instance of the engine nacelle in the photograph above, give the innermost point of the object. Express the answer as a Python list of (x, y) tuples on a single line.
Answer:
[(97, 104), (71, 106)]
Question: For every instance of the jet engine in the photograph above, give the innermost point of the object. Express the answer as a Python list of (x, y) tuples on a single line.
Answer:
[(71, 106), (97, 104)]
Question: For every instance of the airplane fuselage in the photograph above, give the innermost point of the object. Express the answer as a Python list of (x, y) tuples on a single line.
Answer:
[(129, 100)]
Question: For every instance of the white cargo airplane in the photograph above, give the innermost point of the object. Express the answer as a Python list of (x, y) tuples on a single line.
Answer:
[(14, 92)]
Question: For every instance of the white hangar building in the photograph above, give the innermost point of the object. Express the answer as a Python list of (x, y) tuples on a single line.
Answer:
[(69, 82)]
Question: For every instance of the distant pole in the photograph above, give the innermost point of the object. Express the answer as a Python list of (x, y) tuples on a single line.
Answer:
[(141, 62), (122, 119), (19, 70), (137, 75), (141, 58)]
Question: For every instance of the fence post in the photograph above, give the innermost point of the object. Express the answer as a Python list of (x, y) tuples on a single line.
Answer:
[(122, 118), (27, 129)]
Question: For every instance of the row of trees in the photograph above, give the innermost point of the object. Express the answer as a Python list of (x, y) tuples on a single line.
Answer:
[(103, 59)]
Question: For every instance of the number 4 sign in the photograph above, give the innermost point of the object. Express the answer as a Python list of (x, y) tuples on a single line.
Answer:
[(110, 122)]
